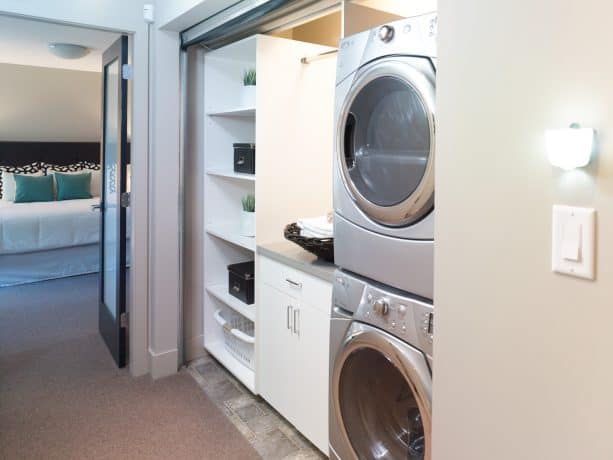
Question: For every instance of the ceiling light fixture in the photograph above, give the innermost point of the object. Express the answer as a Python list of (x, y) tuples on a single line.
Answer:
[(68, 50)]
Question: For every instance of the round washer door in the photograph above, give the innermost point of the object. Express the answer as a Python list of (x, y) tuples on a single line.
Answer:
[(382, 396), (385, 142)]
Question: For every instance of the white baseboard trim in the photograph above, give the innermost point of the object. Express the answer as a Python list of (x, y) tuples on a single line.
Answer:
[(163, 364), (194, 348)]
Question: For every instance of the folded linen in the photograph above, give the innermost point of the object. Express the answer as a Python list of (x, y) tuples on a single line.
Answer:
[(309, 234), (316, 227)]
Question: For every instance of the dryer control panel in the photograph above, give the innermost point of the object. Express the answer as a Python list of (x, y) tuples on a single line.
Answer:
[(408, 318)]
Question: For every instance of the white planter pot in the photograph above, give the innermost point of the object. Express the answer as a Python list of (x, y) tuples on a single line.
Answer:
[(248, 96), (247, 223)]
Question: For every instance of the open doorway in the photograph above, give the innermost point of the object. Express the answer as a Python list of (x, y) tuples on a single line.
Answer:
[(53, 181)]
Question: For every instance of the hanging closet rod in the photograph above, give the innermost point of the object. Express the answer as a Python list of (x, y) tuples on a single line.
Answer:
[(309, 59)]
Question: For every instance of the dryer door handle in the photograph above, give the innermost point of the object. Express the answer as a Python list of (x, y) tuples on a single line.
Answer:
[(340, 312)]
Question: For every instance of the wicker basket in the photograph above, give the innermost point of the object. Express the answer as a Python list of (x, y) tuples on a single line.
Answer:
[(238, 333), (321, 247)]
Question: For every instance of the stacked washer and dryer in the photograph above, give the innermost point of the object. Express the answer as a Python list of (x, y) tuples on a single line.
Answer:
[(382, 314)]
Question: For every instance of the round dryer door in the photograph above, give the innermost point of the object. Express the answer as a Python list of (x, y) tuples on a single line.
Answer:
[(385, 142), (381, 393)]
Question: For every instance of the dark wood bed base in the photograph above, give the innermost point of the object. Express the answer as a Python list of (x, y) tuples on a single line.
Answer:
[(57, 153)]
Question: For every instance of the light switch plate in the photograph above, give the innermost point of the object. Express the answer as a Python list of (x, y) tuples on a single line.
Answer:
[(573, 241)]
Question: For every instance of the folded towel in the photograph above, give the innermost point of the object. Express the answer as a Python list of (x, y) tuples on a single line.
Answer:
[(319, 232), (317, 227), (309, 234)]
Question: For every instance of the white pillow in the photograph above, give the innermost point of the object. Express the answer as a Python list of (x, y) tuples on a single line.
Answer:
[(8, 184), (96, 183), (96, 186)]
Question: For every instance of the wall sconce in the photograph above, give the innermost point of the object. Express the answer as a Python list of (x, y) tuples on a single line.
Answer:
[(571, 147)]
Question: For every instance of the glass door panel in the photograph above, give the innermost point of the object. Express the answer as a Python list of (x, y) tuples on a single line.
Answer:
[(111, 193), (387, 141), (379, 409), (112, 308)]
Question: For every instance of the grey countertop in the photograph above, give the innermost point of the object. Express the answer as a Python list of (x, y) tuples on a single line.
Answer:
[(290, 254)]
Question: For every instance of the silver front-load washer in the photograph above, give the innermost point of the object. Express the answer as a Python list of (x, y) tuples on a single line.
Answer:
[(384, 154), (380, 372)]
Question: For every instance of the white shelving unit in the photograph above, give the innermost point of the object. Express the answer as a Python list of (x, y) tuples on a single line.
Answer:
[(230, 233), (245, 375), (291, 124), (220, 292), (230, 174), (233, 112), (228, 120)]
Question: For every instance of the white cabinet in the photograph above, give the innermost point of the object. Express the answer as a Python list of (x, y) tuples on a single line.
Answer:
[(278, 345), (311, 375), (294, 347)]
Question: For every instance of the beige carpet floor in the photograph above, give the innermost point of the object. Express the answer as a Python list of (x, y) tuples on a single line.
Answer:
[(61, 396)]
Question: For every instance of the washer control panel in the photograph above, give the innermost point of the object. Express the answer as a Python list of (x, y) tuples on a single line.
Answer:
[(381, 306), (408, 318)]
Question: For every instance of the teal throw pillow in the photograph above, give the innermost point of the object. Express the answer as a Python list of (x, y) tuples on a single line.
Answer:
[(73, 186), (29, 189)]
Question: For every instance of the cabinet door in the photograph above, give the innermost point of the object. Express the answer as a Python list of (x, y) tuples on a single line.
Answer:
[(313, 339), (277, 359)]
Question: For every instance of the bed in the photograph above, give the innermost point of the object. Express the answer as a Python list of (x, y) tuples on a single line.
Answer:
[(33, 227), (48, 240)]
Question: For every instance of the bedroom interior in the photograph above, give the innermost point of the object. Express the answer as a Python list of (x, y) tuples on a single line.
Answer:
[(50, 126), (51, 179)]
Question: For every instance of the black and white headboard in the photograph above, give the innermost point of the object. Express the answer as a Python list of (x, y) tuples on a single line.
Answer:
[(55, 153)]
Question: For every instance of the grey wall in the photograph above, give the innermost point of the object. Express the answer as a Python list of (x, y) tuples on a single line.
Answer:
[(193, 276), (522, 356), (45, 104)]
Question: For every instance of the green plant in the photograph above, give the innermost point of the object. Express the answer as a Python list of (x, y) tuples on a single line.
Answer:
[(248, 203), (249, 77)]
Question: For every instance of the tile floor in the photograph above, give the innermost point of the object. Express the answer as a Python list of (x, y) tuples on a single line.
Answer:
[(271, 436)]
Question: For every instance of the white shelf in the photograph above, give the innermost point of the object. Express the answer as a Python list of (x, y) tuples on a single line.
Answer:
[(230, 174), (231, 234), (246, 112), (245, 375), (220, 291)]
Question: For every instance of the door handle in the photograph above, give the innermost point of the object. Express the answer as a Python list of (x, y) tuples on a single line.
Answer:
[(294, 283), (289, 309), (124, 200), (96, 207), (296, 322)]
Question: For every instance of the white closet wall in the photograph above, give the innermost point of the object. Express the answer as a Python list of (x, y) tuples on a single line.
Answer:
[(294, 134)]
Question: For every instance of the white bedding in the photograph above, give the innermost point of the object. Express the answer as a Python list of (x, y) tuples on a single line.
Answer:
[(30, 227)]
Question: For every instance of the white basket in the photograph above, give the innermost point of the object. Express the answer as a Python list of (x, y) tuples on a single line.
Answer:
[(239, 336)]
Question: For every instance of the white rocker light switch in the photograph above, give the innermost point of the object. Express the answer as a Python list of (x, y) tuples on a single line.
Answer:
[(573, 241)]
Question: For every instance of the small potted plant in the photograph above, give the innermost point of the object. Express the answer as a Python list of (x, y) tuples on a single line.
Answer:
[(248, 94), (248, 215)]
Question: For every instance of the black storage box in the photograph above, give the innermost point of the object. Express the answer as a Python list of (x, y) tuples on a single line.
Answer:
[(244, 158), (241, 281)]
